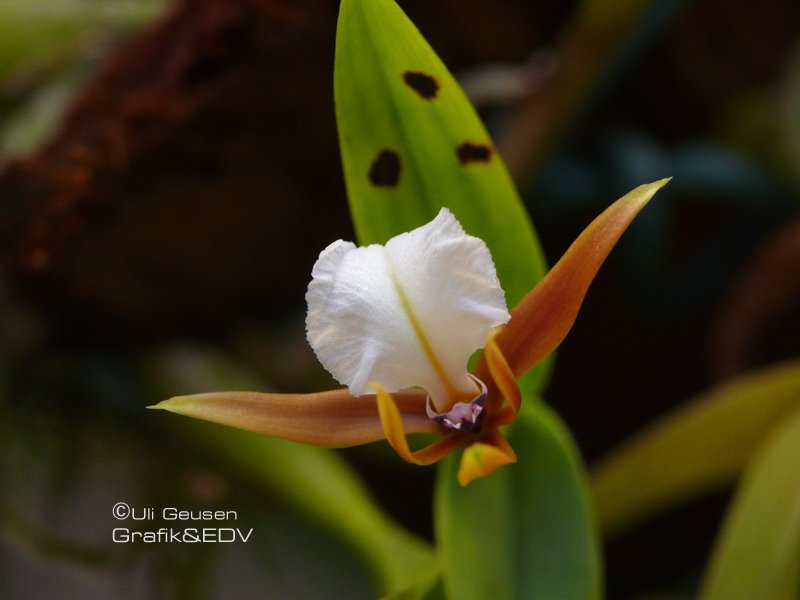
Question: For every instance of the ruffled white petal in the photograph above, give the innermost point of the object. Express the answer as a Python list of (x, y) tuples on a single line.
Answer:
[(373, 310)]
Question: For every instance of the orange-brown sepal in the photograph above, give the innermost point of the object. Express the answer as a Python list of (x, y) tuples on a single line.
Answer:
[(542, 319), (332, 419)]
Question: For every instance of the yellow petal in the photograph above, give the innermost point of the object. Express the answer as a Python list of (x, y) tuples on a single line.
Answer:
[(484, 458), (502, 376), (395, 433), (332, 419)]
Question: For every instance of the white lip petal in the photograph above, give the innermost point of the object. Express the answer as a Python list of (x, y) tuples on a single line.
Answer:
[(410, 313)]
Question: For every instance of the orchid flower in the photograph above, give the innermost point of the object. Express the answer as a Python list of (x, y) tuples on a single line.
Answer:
[(397, 324)]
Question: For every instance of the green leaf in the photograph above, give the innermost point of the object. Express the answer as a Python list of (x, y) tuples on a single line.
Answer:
[(398, 106), (696, 449), (756, 555), (527, 530), (313, 482)]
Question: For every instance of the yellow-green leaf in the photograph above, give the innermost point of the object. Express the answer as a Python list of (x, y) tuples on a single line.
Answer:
[(756, 555), (696, 449)]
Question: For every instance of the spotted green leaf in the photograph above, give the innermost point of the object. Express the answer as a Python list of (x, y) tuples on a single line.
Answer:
[(411, 143)]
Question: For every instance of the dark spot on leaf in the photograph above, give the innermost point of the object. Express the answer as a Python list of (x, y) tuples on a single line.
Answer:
[(385, 170), (425, 85), (468, 153)]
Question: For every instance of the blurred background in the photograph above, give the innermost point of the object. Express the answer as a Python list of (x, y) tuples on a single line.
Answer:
[(169, 172)]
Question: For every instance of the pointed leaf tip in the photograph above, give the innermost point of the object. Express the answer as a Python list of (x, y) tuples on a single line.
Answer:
[(173, 405), (635, 200), (648, 190)]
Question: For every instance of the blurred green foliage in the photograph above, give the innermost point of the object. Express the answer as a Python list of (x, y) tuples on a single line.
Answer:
[(47, 50)]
